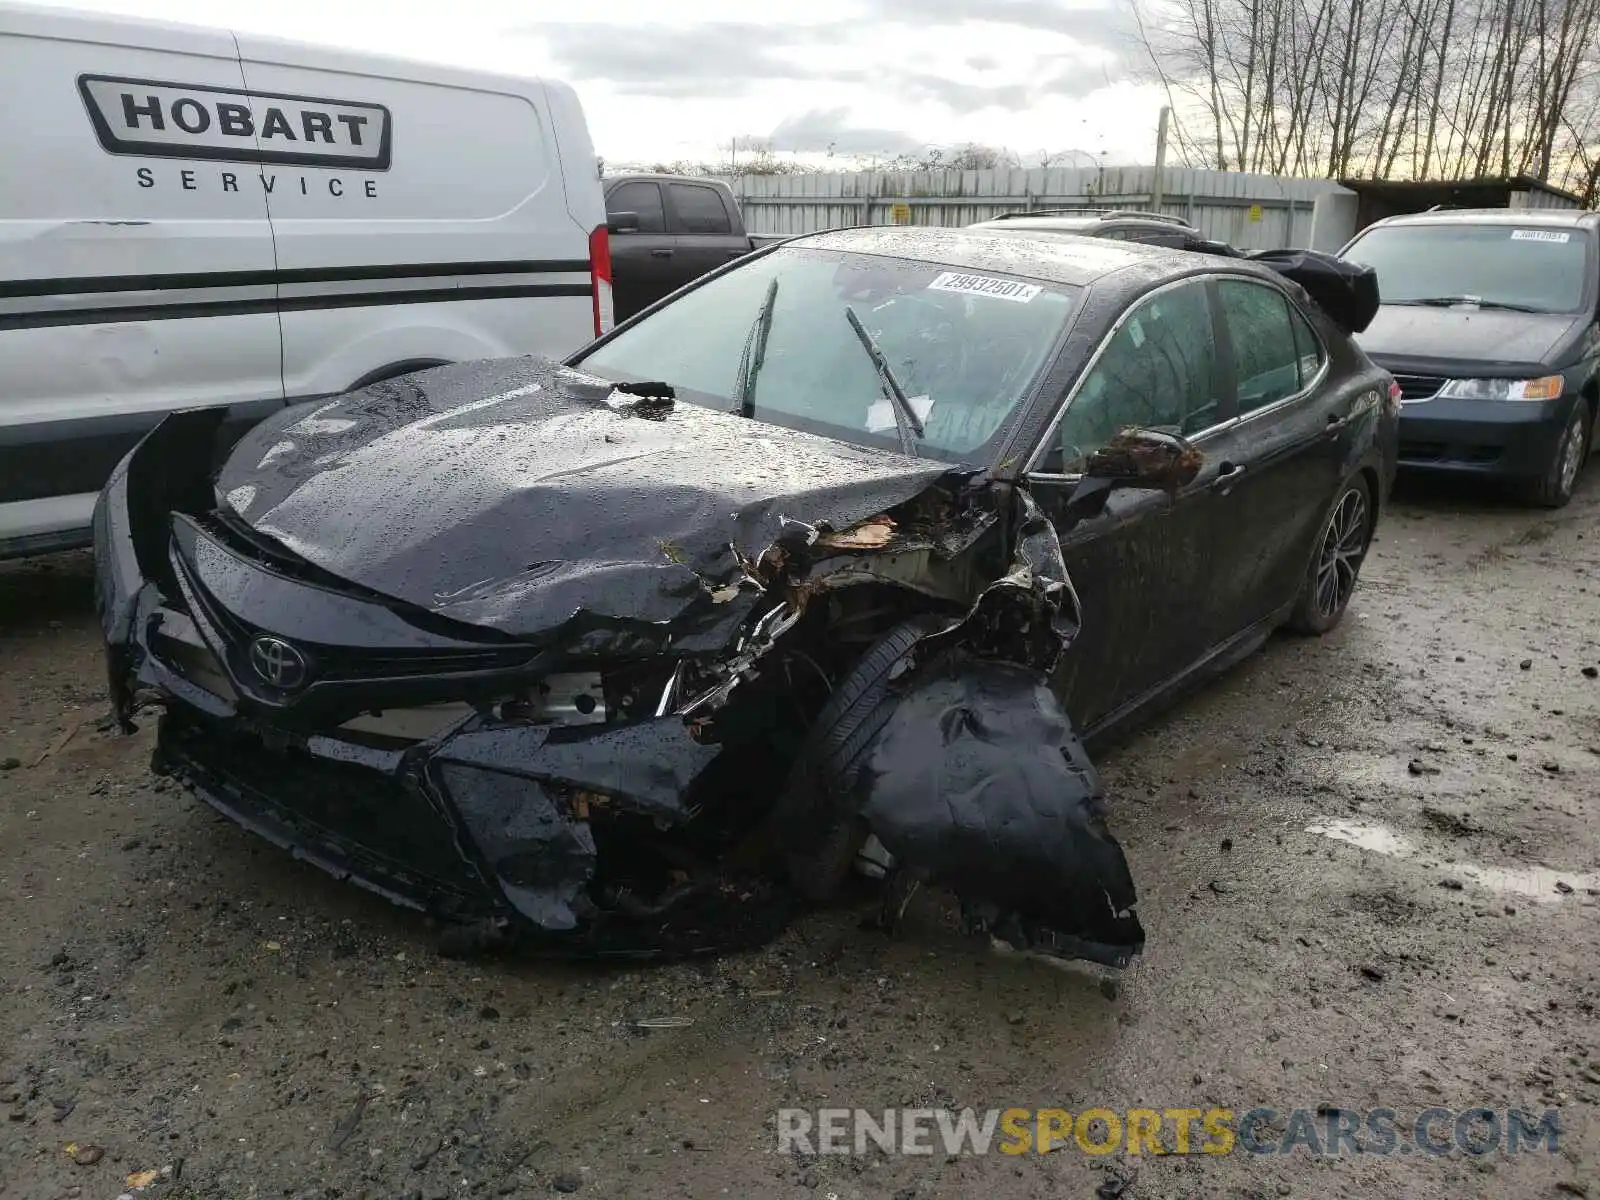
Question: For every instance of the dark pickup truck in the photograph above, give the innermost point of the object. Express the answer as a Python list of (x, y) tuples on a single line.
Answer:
[(667, 230)]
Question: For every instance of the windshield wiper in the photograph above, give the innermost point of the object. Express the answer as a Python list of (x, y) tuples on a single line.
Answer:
[(906, 421), (755, 353), (1475, 301)]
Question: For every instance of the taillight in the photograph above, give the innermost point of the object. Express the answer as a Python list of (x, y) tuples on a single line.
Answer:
[(600, 279), (1394, 395)]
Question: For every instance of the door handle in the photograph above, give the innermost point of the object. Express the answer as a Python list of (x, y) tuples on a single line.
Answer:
[(1336, 423), (1227, 475), (661, 252)]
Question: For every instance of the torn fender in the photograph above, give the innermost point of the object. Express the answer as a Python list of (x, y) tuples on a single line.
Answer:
[(979, 783), (1030, 614)]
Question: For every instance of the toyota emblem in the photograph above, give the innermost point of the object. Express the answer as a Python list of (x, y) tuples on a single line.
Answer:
[(277, 663)]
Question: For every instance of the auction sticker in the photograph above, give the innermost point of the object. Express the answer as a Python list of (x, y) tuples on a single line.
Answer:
[(985, 285), (1540, 235)]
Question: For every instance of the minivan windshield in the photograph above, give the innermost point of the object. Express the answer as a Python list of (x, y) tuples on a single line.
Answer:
[(1503, 265), (800, 337)]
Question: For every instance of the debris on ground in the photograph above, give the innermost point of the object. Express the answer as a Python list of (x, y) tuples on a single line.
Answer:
[(347, 1124), (1453, 824)]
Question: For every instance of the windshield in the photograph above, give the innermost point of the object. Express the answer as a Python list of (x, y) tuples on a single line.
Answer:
[(1542, 270), (778, 339)]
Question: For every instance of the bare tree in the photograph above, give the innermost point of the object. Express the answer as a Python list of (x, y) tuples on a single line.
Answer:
[(1456, 88)]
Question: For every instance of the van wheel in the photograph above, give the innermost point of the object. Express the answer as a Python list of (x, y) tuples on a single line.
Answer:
[(1555, 487), (1341, 547)]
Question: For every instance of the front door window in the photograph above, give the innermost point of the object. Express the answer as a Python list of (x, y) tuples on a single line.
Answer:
[(1159, 371)]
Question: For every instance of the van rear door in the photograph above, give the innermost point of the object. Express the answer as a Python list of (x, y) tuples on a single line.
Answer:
[(136, 263)]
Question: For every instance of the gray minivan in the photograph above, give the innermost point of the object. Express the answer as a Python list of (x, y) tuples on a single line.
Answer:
[(1490, 322)]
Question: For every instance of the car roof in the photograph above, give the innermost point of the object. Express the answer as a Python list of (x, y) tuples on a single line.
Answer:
[(1559, 218), (1048, 257)]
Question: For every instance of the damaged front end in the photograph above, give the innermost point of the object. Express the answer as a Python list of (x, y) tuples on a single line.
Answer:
[(648, 734)]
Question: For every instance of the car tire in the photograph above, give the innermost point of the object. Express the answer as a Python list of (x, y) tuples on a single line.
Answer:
[(1342, 542), (820, 839), (1555, 487)]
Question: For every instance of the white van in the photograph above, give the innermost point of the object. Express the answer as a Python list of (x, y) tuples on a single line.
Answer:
[(195, 218)]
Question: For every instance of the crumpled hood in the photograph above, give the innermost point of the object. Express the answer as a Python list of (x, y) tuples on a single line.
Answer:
[(519, 495)]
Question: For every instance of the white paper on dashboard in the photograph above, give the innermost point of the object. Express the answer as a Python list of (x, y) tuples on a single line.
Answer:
[(880, 416)]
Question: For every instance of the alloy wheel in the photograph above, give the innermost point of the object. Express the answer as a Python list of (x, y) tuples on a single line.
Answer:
[(1344, 545)]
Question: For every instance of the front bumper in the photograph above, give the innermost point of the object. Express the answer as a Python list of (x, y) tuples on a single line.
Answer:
[(1512, 439), (525, 828), (437, 830), (484, 824), (308, 800)]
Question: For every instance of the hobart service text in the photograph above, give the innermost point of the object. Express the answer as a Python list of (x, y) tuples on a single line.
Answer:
[(155, 119), (192, 180)]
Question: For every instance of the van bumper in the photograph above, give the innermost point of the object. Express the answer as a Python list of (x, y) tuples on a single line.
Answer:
[(1509, 439)]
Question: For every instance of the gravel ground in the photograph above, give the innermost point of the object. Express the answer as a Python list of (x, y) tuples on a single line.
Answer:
[(180, 998)]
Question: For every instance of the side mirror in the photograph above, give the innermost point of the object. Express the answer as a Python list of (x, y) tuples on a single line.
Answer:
[(622, 222), (1146, 459)]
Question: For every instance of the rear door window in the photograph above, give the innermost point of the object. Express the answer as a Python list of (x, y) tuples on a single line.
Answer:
[(1158, 371), (1266, 351), (1308, 346), (643, 198), (700, 209)]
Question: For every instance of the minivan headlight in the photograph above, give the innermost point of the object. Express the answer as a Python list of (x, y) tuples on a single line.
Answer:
[(1547, 387)]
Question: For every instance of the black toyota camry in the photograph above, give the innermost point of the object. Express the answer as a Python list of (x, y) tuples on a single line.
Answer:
[(825, 562)]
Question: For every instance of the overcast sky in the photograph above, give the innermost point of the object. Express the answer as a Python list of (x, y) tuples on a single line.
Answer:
[(864, 77)]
